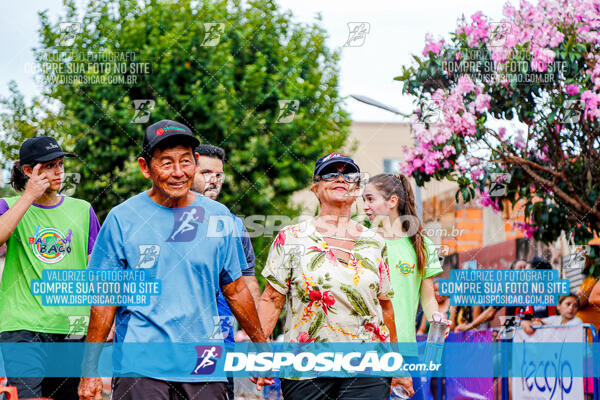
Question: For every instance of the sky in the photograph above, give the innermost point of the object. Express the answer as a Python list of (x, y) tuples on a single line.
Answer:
[(397, 30)]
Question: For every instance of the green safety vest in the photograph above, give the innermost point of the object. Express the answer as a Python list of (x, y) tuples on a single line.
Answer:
[(45, 238)]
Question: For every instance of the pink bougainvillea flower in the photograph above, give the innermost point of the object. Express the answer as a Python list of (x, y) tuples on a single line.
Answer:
[(526, 227), (431, 45), (482, 102), (486, 201), (591, 101)]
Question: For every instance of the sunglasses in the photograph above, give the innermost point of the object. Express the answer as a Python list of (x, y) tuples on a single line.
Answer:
[(348, 177)]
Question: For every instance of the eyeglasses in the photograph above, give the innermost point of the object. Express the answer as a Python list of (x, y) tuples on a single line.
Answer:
[(349, 177), (214, 176)]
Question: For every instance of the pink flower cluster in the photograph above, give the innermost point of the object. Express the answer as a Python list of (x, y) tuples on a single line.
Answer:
[(591, 100), (486, 201), (534, 28), (525, 227), (571, 89), (476, 31), (431, 45), (519, 141), (595, 72), (532, 31), (542, 154), (432, 150), (542, 57), (481, 103)]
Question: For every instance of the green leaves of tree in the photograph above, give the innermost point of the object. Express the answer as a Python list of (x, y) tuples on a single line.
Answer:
[(228, 94)]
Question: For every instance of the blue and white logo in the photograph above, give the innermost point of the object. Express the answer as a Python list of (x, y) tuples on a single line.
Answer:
[(185, 224), (207, 359), (222, 327), (148, 255)]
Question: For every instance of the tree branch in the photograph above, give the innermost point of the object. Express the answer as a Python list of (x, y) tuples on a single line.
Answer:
[(522, 161), (573, 199)]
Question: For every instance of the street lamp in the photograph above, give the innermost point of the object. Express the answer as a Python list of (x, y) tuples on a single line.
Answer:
[(375, 103)]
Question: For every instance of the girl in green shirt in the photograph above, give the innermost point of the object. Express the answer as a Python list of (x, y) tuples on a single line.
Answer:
[(43, 230), (389, 203)]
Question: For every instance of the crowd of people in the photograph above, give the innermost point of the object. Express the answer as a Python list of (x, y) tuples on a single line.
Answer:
[(468, 318), (338, 280)]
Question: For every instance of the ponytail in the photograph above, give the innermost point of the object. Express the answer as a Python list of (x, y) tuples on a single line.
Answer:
[(399, 185), (418, 239), (18, 179)]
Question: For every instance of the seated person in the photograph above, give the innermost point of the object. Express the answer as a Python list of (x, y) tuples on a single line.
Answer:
[(567, 307)]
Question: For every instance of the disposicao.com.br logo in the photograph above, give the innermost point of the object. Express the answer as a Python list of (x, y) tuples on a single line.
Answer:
[(371, 361)]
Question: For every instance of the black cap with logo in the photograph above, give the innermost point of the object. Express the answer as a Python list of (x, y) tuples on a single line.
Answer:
[(166, 129), (40, 149), (334, 158)]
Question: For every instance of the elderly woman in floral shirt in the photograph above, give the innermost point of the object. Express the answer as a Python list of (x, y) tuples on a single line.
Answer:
[(332, 275)]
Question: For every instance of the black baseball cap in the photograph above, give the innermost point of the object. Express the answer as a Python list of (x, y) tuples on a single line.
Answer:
[(40, 149), (166, 129), (333, 158)]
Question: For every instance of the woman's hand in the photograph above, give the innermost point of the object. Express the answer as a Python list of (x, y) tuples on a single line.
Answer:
[(462, 328), (405, 382), (262, 382), (269, 308)]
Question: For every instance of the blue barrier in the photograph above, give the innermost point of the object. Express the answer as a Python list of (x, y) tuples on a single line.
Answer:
[(451, 385), (504, 389)]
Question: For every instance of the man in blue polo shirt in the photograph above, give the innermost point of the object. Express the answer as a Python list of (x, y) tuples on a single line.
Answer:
[(209, 181), (166, 232)]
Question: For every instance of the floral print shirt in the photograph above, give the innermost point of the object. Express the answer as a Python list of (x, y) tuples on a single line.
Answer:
[(327, 299)]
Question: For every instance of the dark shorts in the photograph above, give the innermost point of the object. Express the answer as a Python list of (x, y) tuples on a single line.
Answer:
[(55, 388), (336, 388), (126, 388)]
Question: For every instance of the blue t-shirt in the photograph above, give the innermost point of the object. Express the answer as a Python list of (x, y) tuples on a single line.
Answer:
[(189, 260), (224, 310)]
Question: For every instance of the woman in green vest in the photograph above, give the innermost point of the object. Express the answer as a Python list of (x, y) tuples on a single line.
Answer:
[(390, 205), (43, 230)]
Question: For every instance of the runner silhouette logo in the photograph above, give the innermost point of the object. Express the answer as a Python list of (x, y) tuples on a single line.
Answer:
[(148, 255), (207, 359), (185, 224)]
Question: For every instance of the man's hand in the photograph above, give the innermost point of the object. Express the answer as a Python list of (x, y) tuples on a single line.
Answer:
[(462, 328), (37, 184), (242, 305), (101, 319), (262, 382), (405, 382), (90, 388)]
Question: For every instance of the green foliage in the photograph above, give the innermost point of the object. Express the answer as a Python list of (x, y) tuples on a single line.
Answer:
[(6, 191), (228, 94)]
